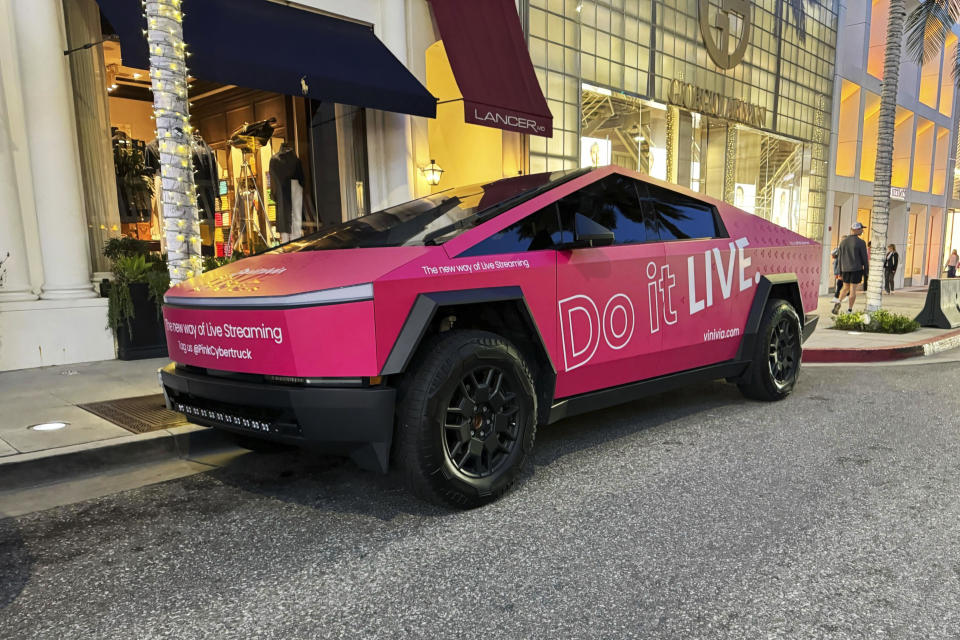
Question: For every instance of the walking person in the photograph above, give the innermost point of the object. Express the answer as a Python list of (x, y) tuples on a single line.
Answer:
[(853, 262), (952, 264), (890, 263)]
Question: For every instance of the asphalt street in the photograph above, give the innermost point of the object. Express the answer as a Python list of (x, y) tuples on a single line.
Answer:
[(695, 514)]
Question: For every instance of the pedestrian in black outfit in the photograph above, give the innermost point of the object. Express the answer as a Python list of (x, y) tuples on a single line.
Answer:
[(890, 264), (853, 262)]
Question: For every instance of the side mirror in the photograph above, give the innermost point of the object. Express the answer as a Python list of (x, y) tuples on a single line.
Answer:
[(587, 233)]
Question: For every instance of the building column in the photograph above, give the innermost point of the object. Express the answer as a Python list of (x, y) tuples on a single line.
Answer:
[(14, 264), (14, 273), (54, 157)]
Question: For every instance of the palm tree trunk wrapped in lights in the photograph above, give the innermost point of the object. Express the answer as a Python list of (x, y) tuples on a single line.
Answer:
[(168, 74), (880, 216)]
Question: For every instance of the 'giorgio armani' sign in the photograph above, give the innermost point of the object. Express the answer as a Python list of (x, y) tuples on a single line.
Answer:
[(711, 103)]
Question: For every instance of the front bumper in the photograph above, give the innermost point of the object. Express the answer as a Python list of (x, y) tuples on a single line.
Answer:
[(356, 421)]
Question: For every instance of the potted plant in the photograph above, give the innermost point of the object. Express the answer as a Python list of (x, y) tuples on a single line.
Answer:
[(135, 299)]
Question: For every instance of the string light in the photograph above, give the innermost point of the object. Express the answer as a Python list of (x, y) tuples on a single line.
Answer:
[(168, 74)]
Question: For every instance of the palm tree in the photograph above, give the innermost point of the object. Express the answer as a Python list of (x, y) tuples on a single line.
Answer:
[(926, 29), (880, 216), (168, 74)]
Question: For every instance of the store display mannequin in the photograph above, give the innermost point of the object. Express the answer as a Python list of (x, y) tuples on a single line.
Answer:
[(286, 186), (205, 173)]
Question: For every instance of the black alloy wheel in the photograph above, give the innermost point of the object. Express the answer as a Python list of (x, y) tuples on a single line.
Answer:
[(466, 418), (481, 427), (775, 363), (784, 352)]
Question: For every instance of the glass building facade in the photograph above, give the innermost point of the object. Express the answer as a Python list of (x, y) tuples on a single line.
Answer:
[(670, 88)]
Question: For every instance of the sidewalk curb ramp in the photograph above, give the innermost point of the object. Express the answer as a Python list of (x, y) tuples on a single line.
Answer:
[(927, 347), (27, 470)]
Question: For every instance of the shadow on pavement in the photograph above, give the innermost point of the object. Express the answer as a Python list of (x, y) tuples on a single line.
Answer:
[(323, 483), (336, 485), (598, 428), (15, 561)]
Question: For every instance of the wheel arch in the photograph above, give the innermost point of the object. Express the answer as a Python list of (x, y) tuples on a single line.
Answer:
[(502, 310), (776, 285)]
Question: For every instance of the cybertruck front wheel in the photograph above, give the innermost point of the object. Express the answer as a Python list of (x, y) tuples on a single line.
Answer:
[(776, 358), (466, 419)]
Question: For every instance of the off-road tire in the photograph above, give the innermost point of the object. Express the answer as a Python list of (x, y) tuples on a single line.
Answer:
[(422, 445), (778, 345)]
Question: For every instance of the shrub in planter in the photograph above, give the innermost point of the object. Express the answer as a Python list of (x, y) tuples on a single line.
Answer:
[(879, 321), (135, 300)]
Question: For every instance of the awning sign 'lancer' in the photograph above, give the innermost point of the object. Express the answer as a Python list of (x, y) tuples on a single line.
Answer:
[(490, 61)]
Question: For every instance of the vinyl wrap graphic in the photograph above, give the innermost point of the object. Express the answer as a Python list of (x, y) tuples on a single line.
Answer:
[(328, 341)]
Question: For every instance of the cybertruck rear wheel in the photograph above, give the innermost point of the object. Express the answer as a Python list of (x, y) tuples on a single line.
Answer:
[(776, 357), (466, 419)]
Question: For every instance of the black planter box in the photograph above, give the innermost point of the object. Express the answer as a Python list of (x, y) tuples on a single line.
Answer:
[(148, 340)]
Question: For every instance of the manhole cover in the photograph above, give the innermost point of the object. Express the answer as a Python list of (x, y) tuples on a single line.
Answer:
[(140, 414)]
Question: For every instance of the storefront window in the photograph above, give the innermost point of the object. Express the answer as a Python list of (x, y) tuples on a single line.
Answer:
[(934, 238), (756, 171), (951, 235), (916, 246)]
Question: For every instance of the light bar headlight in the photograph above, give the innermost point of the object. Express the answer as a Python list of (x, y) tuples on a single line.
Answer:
[(353, 293)]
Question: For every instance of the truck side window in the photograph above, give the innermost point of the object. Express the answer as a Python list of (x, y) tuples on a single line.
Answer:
[(680, 217), (538, 231), (611, 202)]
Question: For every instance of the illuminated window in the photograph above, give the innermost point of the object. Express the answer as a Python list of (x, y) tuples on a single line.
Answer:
[(940, 161), (930, 81), (878, 37), (923, 155), (871, 121), (947, 85), (848, 129), (902, 148)]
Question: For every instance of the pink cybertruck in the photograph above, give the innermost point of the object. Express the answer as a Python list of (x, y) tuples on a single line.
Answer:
[(441, 332)]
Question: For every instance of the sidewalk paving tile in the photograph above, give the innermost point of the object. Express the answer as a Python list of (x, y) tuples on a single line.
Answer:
[(6, 449), (84, 427)]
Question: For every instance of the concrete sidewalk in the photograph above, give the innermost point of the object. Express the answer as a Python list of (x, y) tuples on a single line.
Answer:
[(45, 394), (832, 345), (44, 463)]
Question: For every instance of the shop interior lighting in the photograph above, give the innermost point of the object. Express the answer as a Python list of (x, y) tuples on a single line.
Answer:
[(432, 172), (48, 426)]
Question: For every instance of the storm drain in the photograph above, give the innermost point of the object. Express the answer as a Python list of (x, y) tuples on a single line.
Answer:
[(139, 415)]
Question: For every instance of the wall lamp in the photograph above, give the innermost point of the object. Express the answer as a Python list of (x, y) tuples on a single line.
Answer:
[(432, 172)]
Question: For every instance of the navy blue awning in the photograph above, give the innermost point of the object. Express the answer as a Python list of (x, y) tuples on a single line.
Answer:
[(264, 45)]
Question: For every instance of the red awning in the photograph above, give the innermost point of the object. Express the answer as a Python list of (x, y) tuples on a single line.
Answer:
[(488, 54)]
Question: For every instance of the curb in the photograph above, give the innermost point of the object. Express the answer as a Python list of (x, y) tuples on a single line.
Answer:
[(927, 347), (56, 465)]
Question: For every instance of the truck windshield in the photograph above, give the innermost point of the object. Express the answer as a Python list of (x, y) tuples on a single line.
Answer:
[(433, 219)]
